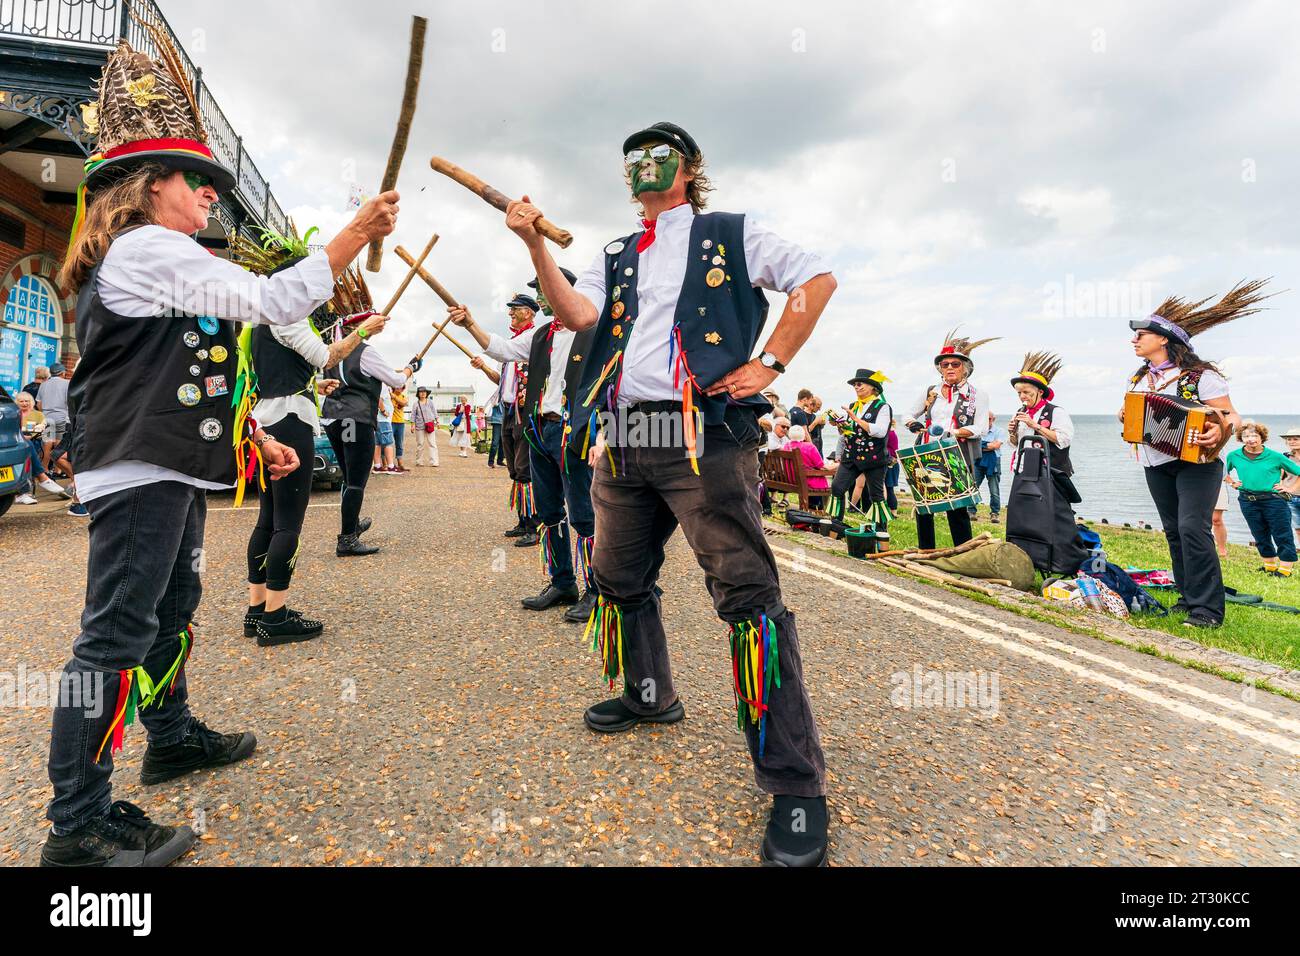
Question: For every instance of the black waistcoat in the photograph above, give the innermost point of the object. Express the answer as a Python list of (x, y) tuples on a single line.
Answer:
[(151, 389), (719, 324), (860, 447), (539, 366), (281, 371), (357, 398)]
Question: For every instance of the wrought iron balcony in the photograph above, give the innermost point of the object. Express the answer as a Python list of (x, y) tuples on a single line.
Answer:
[(71, 39)]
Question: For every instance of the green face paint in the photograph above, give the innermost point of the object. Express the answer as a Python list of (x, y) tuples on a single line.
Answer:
[(546, 306), (655, 177)]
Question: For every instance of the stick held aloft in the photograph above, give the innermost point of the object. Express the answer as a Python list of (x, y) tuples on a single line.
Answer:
[(497, 199)]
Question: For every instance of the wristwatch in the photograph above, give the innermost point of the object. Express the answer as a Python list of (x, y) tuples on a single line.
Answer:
[(771, 361)]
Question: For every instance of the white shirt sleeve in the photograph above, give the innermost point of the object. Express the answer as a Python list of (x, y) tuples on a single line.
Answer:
[(591, 283), (981, 423), (880, 427), (154, 271), (302, 338), (1063, 425), (374, 365), (510, 350), (1212, 385), (774, 263)]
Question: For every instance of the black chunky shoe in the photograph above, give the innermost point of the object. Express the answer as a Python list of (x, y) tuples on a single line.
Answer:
[(350, 546), (581, 612), (290, 627), (201, 749), (1203, 621), (122, 837), (796, 832), (613, 717), (363, 525), (519, 530), (252, 617), (527, 540), (550, 597)]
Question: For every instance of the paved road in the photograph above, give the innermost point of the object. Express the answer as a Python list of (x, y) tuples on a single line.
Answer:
[(438, 722)]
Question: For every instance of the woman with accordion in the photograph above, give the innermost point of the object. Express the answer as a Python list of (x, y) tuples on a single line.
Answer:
[(1178, 415)]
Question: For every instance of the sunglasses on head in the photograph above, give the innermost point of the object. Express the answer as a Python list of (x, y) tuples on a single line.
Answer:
[(197, 181), (658, 153)]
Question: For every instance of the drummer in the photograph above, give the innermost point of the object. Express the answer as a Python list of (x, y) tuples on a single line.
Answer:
[(953, 409)]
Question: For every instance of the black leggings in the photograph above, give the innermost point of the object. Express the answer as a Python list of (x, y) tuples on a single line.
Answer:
[(273, 545), (354, 447)]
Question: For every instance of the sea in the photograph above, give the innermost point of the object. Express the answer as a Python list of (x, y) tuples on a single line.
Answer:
[(1111, 481)]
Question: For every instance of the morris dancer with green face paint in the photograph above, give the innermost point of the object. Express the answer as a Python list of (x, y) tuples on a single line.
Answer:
[(671, 388)]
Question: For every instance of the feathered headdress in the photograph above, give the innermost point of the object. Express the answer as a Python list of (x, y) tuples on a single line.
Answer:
[(1039, 369), (1178, 319), (960, 347)]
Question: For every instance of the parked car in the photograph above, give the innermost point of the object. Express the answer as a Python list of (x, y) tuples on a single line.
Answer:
[(13, 453), (326, 472)]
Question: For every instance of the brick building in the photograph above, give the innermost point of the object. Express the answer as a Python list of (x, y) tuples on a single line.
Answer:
[(51, 54)]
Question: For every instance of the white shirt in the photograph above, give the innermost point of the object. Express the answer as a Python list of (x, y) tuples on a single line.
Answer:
[(152, 271), (508, 387), (302, 338), (376, 366), (773, 263), (944, 410), (1212, 385), (517, 349)]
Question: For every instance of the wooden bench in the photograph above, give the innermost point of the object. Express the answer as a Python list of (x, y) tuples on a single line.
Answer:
[(784, 472)]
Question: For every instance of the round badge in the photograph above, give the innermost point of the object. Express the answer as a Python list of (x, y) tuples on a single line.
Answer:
[(208, 325), (219, 354), (708, 243), (195, 370), (715, 278), (201, 354), (189, 395), (719, 261), (628, 272), (617, 293), (191, 340), (210, 429), (617, 312), (614, 248)]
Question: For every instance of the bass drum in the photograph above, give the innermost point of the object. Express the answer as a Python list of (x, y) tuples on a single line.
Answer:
[(939, 476)]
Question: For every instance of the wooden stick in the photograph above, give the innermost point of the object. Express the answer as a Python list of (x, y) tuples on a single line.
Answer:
[(392, 303), (439, 331), (429, 280), (493, 197), (414, 64)]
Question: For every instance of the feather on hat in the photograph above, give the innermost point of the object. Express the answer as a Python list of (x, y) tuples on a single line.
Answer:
[(1038, 370), (1175, 318), (960, 347)]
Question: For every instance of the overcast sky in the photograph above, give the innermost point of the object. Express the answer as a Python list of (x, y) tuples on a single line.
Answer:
[(1033, 171)]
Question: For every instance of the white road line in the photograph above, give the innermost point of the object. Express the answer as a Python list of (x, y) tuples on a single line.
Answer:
[(948, 622)]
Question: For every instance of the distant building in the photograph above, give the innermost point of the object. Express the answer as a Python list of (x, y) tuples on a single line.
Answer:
[(444, 397)]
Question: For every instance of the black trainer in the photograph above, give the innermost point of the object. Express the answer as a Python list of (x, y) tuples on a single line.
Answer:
[(201, 749), (122, 837), (613, 717), (796, 832), (1203, 621), (550, 597), (580, 613), (519, 530), (350, 546), (289, 627), (527, 540)]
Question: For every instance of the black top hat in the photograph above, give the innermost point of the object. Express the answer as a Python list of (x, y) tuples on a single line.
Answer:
[(573, 280), (670, 133), (871, 377), (527, 301)]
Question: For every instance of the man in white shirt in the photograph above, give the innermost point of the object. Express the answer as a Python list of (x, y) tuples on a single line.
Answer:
[(678, 312)]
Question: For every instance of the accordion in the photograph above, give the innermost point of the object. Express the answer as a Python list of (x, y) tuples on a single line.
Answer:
[(1171, 425)]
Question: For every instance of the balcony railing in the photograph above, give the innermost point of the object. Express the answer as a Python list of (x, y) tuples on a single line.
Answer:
[(101, 23)]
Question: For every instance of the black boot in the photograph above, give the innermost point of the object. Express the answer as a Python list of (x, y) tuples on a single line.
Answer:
[(613, 717), (251, 618), (202, 748), (286, 627), (350, 547), (122, 837), (550, 597), (363, 525), (796, 832), (581, 612), (527, 540), (519, 530)]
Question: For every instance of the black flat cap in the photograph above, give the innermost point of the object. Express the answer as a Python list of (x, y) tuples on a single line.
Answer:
[(527, 301), (670, 133), (573, 280)]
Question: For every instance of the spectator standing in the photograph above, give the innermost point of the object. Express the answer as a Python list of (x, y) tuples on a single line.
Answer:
[(400, 401), (385, 461), (1292, 437), (462, 418), (52, 398), (988, 467), (1259, 483), (496, 455), (33, 388), (424, 420)]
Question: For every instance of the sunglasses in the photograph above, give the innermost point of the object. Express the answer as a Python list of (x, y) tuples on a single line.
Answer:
[(952, 365), (197, 181), (659, 154)]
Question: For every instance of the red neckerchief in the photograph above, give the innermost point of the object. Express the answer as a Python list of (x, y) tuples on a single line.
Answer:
[(648, 238), (522, 331), (1033, 412), (950, 390)]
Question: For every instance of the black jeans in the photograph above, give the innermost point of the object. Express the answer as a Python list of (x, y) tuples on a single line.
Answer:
[(273, 545), (354, 446), (718, 511), (1185, 495), (1270, 524), (563, 498), (142, 587)]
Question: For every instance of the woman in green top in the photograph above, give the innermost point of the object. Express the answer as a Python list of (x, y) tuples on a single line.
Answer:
[(1259, 479)]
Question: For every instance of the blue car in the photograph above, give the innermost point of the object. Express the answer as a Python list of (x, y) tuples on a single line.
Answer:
[(13, 453), (325, 469)]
